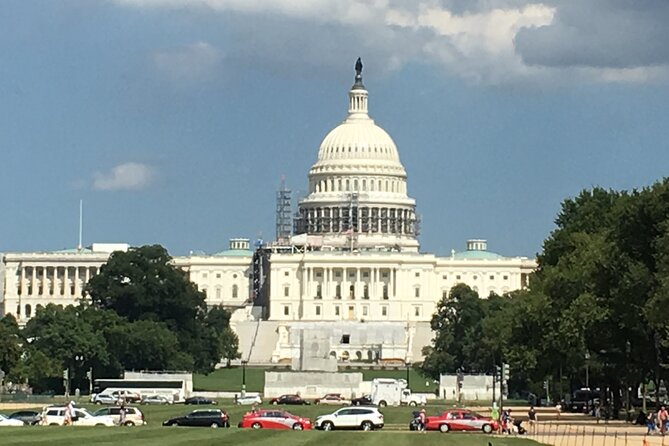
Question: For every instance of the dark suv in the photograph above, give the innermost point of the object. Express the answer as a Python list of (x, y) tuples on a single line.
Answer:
[(201, 418)]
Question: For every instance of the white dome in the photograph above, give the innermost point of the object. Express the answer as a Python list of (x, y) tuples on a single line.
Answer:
[(357, 187), (358, 139)]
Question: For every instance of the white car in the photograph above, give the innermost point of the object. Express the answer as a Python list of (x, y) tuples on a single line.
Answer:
[(365, 418), (55, 416), (248, 400), (6, 421), (156, 399)]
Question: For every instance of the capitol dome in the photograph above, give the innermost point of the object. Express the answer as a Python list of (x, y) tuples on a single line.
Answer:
[(357, 187)]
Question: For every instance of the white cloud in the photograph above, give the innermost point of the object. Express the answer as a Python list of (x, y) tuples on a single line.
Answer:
[(126, 176), (196, 61), (483, 41)]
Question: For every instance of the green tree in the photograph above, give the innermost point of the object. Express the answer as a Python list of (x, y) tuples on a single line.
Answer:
[(142, 285), (10, 344), (218, 319)]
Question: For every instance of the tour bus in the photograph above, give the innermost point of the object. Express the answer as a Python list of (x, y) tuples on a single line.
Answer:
[(174, 390)]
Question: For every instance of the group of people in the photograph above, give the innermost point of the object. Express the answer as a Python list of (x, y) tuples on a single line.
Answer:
[(510, 425), (70, 414), (658, 422)]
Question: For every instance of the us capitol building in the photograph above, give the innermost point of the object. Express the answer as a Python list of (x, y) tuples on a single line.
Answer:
[(349, 282)]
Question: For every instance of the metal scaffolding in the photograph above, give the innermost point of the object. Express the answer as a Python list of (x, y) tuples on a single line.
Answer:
[(284, 220)]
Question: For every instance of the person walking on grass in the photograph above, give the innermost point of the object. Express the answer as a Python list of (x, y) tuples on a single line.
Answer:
[(663, 418), (532, 419)]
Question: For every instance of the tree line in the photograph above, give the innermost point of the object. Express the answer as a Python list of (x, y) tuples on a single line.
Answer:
[(596, 310), (141, 313)]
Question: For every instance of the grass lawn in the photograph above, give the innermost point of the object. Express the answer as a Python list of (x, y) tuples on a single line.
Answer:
[(230, 379), (397, 419)]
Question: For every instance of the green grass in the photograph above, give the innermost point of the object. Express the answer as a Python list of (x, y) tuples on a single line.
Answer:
[(230, 379), (397, 419)]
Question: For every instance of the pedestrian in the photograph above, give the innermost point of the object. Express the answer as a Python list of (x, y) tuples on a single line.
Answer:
[(423, 420), (69, 413), (558, 409), (122, 413), (650, 423), (663, 418), (532, 418)]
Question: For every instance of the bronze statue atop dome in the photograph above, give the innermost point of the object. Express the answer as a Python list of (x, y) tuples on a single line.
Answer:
[(358, 67)]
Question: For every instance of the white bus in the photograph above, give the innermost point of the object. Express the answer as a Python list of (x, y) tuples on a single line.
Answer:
[(174, 390)]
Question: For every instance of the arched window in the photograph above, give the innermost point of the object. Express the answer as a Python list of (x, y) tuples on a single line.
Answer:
[(29, 310)]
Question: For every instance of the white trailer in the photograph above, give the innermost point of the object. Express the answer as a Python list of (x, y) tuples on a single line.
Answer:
[(394, 392)]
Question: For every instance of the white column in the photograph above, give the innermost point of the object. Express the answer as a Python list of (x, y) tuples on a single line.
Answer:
[(33, 281), (66, 280), (76, 281)]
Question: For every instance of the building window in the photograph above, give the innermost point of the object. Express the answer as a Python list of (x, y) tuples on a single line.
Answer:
[(417, 292), (385, 292), (286, 291), (28, 310), (204, 291), (475, 277), (337, 311), (364, 310), (218, 275), (417, 274), (444, 277), (492, 277), (384, 311), (365, 291), (444, 294), (286, 273), (204, 275), (457, 277), (338, 292), (338, 274), (416, 311), (319, 292), (319, 275), (235, 291), (234, 276), (506, 277), (351, 292), (365, 274), (218, 293), (384, 275), (346, 339), (286, 310), (318, 310)]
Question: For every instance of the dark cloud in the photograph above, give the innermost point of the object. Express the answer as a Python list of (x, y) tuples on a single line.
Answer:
[(599, 34)]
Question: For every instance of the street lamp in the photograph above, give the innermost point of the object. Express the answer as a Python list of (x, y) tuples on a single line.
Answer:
[(244, 377), (408, 364), (587, 370)]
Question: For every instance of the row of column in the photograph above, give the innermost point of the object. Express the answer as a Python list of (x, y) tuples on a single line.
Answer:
[(359, 185), (378, 288), (331, 220), (49, 280)]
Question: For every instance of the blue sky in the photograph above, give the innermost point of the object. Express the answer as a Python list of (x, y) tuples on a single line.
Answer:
[(175, 120)]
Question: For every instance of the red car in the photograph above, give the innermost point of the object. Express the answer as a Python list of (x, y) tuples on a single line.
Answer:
[(461, 420), (274, 419)]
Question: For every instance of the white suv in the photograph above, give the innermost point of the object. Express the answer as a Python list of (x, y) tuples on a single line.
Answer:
[(55, 416), (365, 418)]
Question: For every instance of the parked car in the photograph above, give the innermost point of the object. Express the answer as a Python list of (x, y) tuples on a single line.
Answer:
[(104, 398), (333, 399), (127, 395), (248, 400), (29, 417), (156, 399), (274, 419), (365, 418), (201, 418), (199, 400), (133, 416), (460, 420), (365, 400), (55, 416), (9, 422), (289, 399)]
